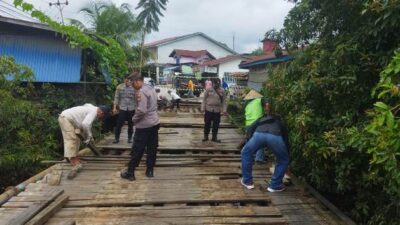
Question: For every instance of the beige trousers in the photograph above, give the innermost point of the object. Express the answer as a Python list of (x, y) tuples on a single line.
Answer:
[(71, 140)]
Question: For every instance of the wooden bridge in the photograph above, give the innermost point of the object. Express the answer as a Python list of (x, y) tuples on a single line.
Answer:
[(194, 183)]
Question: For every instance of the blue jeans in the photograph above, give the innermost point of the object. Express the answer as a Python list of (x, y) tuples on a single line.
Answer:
[(260, 155), (276, 145)]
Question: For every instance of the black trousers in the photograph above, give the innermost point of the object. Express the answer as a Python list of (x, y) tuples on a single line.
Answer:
[(144, 139), (215, 118), (176, 102), (123, 116)]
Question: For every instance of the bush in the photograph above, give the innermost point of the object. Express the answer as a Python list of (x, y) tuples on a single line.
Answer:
[(28, 119)]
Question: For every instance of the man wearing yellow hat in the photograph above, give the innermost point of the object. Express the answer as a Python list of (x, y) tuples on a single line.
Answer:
[(254, 111)]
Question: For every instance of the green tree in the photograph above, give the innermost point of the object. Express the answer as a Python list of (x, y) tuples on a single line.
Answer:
[(257, 52), (107, 19), (149, 18), (26, 133), (343, 143)]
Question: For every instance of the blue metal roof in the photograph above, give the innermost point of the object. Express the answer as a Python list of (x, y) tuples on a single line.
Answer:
[(51, 59), (285, 58)]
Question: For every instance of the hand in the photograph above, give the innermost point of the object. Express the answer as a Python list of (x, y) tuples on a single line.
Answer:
[(114, 111), (77, 131), (87, 141)]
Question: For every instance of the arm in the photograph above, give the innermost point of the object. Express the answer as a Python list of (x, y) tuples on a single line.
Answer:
[(224, 102), (87, 124), (252, 128), (285, 136), (203, 103), (141, 108), (116, 100)]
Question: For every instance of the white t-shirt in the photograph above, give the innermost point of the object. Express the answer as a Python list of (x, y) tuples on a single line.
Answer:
[(82, 117), (174, 96)]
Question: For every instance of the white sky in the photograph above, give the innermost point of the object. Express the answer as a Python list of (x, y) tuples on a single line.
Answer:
[(220, 19)]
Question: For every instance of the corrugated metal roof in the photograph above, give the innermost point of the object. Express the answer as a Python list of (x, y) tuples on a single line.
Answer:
[(51, 59)]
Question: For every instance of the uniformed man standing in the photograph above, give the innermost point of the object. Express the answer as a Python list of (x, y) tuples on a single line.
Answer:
[(147, 123), (124, 99), (213, 104)]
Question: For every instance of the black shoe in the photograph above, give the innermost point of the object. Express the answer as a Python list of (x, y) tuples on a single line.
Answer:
[(216, 140), (205, 139), (128, 176), (149, 172), (115, 141)]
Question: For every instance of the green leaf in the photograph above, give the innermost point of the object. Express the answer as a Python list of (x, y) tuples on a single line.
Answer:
[(381, 105)]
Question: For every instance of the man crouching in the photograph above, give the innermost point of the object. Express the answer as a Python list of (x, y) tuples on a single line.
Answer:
[(72, 120), (147, 124)]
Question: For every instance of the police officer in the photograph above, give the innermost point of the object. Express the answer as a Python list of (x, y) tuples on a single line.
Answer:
[(124, 99), (213, 104), (147, 124)]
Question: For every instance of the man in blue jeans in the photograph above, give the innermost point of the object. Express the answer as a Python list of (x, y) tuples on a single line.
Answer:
[(268, 131)]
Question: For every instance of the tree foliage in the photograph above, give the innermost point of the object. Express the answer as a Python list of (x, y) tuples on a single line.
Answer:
[(25, 135), (107, 19), (149, 19), (345, 140)]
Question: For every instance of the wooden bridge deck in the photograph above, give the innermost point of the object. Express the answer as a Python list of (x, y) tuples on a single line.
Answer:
[(194, 183)]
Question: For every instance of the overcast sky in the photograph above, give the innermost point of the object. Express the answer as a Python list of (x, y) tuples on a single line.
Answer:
[(248, 20)]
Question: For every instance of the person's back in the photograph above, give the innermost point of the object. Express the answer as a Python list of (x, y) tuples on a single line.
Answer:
[(175, 96), (190, 85), (146, 112), (253, 111), (81, 116), (208, 84)]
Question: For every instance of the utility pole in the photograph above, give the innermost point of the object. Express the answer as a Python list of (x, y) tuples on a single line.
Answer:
[(60, 6)]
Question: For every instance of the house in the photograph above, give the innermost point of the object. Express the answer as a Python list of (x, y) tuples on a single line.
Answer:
[(161, 50), (45, 52), (258, 65), (226, 65), (188, 57)]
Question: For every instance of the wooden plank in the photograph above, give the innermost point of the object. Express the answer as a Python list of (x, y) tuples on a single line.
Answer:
[(33, 209), (49, 211)]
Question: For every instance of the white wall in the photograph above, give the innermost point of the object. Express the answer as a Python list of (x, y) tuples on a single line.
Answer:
[(230, 67), (193, 43)]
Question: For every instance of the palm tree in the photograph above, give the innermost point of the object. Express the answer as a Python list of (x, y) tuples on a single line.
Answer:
[(149, 18), (106, 19)]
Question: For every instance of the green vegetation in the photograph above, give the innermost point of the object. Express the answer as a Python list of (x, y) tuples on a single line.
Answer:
[(345, 141), (28, 113), (28, 118), (149, 19), (25, 135)]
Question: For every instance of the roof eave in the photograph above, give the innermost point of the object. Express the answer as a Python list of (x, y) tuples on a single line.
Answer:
[(266, 61), (194, 34)]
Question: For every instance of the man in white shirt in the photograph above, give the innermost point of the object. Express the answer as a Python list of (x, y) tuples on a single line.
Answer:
[(75, 120), (175, 99)]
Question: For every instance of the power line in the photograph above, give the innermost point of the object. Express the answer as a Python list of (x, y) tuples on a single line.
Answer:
[(60, 6)]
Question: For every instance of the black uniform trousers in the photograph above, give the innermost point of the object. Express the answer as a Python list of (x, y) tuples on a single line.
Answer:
[(176, 102), (215, 118), (145, 139), (123, 116)]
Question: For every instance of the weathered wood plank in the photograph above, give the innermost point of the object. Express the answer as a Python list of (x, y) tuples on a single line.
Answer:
[(33, 209), (49, 211)]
